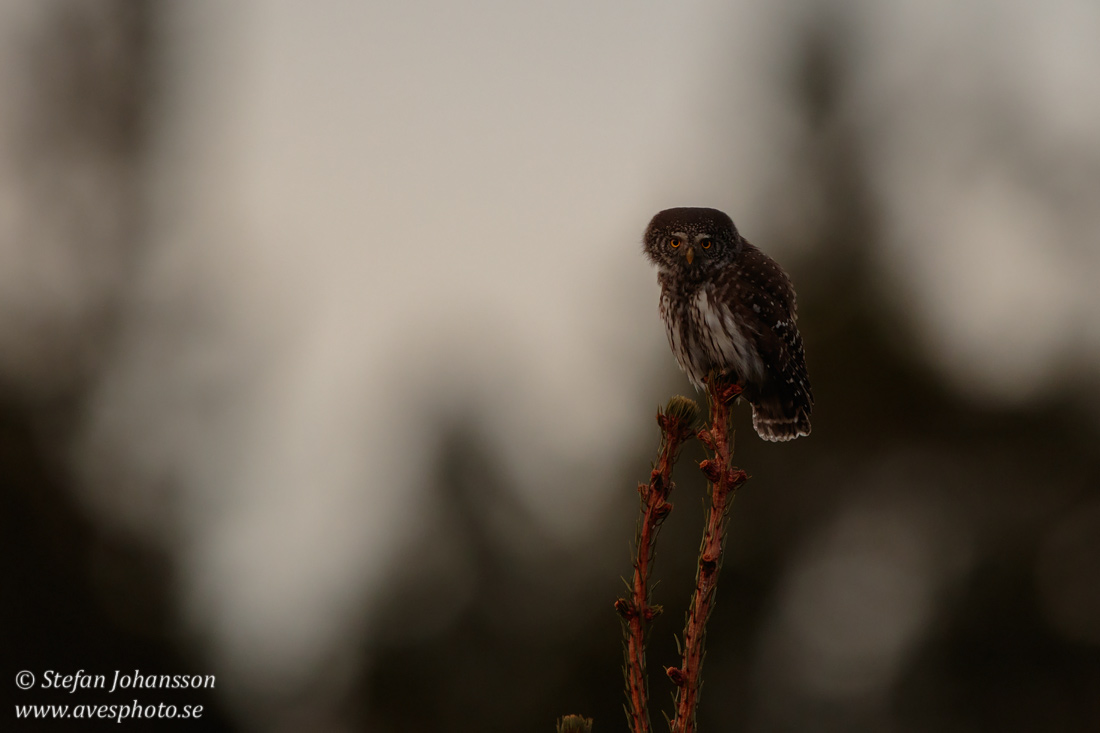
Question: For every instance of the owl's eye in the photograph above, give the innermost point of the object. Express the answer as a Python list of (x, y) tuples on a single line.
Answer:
[(674, 242), (705, 244)]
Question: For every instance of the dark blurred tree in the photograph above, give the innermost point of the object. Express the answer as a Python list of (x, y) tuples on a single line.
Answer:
[(78, 597)]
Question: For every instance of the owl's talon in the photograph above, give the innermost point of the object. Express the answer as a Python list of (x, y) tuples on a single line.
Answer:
[(726, 392)]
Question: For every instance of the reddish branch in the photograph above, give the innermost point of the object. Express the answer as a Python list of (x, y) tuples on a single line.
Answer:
[(676, 421), (723, 482), (636, 611)]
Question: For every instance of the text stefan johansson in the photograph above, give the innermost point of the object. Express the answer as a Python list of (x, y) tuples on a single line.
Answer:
[(122, 681)]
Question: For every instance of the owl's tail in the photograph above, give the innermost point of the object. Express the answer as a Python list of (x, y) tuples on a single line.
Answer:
[(782, 415)]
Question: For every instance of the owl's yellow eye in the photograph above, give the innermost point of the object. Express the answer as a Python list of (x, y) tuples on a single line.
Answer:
[(674, 242), (705, 244)]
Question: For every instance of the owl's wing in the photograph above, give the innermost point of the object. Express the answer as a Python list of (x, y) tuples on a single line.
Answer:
[(766, 302), (769, 286)]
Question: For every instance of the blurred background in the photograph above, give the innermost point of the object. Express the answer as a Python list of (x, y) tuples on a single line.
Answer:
[(329, 357)]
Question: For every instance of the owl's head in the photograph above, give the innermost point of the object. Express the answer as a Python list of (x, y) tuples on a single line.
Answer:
[(692, 242)]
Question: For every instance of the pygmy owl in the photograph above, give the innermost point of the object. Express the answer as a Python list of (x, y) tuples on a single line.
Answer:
[(730, 308)]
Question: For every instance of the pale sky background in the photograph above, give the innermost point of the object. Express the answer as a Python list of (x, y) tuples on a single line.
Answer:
[(366, 215)]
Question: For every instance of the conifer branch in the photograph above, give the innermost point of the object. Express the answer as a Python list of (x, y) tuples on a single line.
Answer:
[(574, 724), (723, 480), (677, 423)]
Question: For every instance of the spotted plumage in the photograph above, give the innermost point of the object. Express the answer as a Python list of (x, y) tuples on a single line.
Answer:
[(730, 308)]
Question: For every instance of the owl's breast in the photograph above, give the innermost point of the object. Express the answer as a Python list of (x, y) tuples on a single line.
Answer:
[(706, 334)]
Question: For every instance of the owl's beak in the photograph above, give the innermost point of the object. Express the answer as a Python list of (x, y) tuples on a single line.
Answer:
[(689, 254)]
